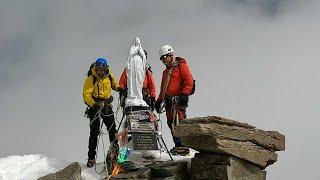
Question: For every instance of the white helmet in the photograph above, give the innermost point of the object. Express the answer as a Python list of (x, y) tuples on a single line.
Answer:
[(166, 49)]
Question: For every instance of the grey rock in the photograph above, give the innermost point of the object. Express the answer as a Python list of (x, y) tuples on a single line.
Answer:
[(71, 172), (270, 140), (142, 174), (170, 170), (217, 120), (223, 167), (134, 166), (244, 150), (225, 136)]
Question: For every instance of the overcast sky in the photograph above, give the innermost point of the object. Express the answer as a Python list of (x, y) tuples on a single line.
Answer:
[(256, 61)]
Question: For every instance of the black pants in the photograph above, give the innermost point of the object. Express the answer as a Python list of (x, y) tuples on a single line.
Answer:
[(95, 127)]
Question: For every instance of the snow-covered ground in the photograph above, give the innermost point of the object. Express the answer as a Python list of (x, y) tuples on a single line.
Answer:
[(31, 167)]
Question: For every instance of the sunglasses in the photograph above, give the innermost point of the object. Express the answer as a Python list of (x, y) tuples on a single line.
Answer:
[(101, 65), (100, 69), (164, 56)]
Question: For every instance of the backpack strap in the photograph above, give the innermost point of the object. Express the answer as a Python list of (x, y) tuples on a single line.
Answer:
[(147, 89), (94, 79), (166, 83)]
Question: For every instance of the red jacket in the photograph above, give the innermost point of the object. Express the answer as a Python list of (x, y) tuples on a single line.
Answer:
[(181, 80), (148, 82)]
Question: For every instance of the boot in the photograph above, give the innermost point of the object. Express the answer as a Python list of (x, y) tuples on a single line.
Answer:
[(90, 163)]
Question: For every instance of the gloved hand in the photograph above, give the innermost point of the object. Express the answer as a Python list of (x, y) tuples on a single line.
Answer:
[(157, 106), (183, 100), (98, 105), (122, 96), (152, 103), (122, 92)]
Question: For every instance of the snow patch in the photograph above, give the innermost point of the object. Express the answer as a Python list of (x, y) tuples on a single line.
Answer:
[(30, 167), (24, 167)]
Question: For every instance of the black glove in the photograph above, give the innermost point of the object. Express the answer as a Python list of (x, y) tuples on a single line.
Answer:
[(157, 106), (122, 96), (122, 92), (152, 103), (98, 105), (183, 100)]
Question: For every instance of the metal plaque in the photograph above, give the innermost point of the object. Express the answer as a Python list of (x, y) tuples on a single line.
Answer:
[(144, 142)]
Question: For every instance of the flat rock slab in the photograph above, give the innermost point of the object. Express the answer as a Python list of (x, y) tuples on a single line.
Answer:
[(270, 140), (243, 150), (225, 136), (223, 167), (218, 120)]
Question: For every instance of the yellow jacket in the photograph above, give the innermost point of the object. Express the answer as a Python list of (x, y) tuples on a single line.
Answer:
[(101, 89)]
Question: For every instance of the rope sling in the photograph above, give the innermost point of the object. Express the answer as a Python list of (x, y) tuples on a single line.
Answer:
[(174, 100)]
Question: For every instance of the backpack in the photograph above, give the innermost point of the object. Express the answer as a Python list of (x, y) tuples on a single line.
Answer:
[(194, 81), (193, 87)]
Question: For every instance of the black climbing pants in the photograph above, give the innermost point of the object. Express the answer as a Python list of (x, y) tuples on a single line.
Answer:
[(108, 120)]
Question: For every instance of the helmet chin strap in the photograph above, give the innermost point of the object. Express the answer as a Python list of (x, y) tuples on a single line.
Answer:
[(173, 60)]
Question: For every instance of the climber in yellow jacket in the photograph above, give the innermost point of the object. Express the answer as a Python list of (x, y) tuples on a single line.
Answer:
[(97, 95)]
